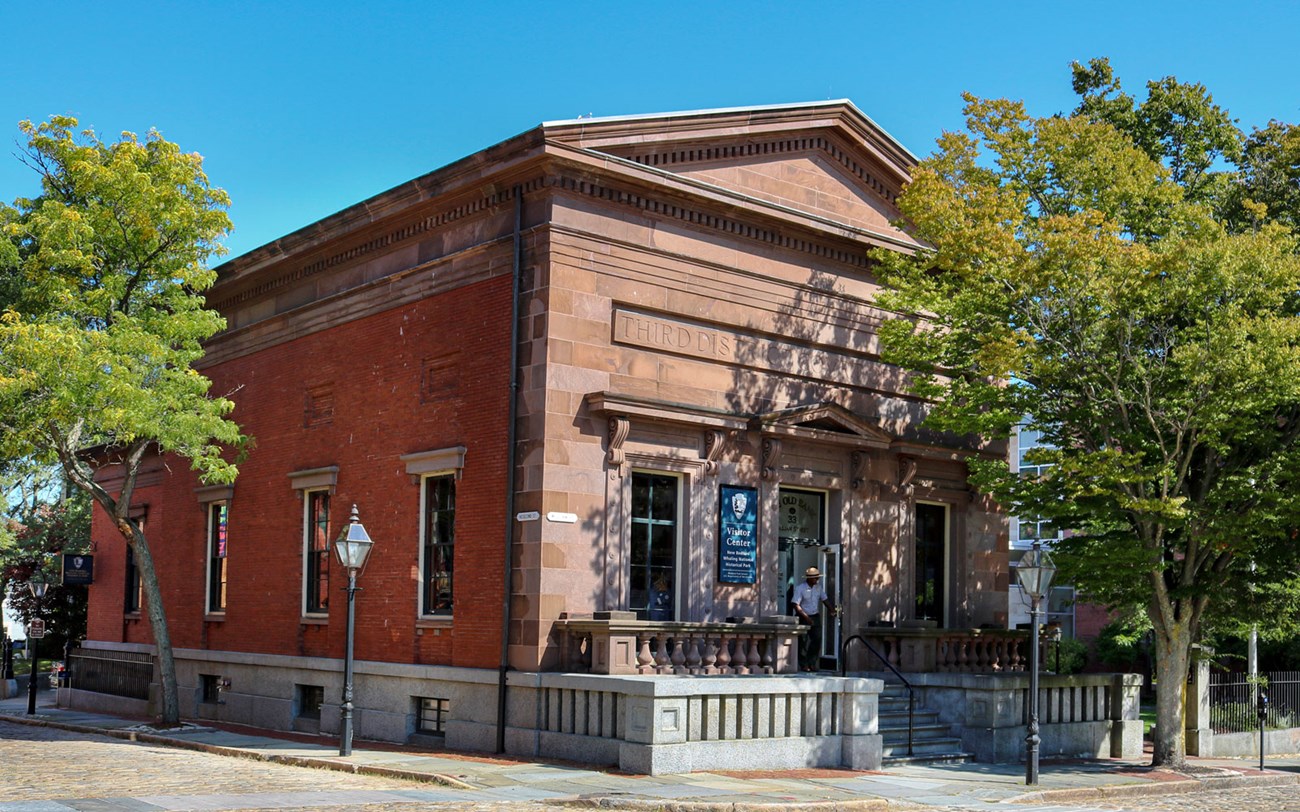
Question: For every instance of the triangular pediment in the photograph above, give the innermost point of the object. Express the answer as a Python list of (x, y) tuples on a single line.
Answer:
[(828, 422), (824, 159)]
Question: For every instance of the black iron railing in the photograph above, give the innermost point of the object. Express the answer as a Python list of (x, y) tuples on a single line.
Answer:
[(911, 693), (1233, 699), (120, 673)]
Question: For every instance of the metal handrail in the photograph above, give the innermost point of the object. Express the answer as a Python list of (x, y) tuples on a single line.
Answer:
[(911, 693)]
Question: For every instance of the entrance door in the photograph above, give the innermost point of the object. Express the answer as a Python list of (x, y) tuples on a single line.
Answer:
[(801, 536)]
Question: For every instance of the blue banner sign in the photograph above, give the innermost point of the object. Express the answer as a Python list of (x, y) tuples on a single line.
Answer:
[(738, 534)]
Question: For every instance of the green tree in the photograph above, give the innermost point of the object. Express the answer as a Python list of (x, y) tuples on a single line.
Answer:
[(1177, 124), (38, 539), (1269, 183), (1080, 276), (103, 275)]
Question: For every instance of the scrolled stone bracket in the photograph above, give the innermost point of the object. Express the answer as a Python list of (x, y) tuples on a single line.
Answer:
[(619, 427), (714, 440)]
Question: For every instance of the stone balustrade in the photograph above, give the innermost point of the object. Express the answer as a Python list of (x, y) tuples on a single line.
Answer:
[(1080, 715), (964, 651), (660, 724), (618, 643)]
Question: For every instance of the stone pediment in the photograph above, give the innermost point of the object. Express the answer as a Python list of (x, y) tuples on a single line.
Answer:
[(826, 159), (824, 422)]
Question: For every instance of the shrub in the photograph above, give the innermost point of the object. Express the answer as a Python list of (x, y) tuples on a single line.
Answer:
[(1120, 647), (1073, 656)]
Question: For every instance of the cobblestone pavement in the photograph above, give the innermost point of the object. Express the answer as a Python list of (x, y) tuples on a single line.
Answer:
[(1240, 799), (1245, 799), (45, 770)]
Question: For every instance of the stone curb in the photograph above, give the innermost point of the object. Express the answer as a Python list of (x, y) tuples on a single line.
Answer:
[(235, 752), (1154, 788)]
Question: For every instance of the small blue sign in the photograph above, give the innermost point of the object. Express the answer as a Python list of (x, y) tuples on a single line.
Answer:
[(738, 534)]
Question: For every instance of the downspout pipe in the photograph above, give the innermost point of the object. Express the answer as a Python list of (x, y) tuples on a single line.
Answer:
[(518, 269)]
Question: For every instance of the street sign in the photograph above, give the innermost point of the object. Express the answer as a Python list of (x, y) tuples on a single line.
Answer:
[(36, 629)]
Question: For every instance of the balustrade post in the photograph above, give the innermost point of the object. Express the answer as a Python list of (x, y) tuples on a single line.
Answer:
[(740, 659), (662, 661), (678, 656), (644, 659), (693, 659), (710, 655), (724, 655)]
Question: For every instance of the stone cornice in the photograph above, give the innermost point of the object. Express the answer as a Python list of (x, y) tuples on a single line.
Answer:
[(347, 254), (559, 167), (742, 215), (464, 174), (485, 178)]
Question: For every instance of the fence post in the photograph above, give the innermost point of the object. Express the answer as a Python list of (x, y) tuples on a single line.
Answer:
[(1199, 733)]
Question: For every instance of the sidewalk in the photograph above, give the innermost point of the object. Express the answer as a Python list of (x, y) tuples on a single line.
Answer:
[(465, 777)]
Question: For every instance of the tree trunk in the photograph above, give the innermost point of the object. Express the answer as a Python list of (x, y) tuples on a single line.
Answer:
[(1173, 655), (171, 710)]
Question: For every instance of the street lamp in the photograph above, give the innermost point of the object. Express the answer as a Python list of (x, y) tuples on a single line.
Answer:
[(1035, 575), (352, 546), (38, 586)]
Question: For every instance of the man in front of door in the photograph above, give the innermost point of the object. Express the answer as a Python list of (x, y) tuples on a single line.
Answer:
[(807, 601)]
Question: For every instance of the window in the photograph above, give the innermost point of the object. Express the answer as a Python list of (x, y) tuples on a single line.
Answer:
[(1060, 609), (438, 550), (930, 565), (210, 687), (1031, 528), (310, 698), (431, 715), (131, 602), (316, 552), (652, 580), (217, 516)]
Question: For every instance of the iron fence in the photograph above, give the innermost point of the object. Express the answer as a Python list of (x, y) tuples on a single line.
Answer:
[(1233, 698), (121, 673)]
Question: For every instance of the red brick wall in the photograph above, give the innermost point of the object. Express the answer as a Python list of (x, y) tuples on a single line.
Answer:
[(375, 368)]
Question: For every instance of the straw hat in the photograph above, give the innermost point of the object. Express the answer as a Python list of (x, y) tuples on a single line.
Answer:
[(812, 572)]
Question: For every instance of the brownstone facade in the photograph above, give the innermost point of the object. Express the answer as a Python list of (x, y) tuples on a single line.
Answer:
[(696, 310)]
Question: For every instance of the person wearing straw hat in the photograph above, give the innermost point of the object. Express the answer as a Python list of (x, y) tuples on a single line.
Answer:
[(807, 601)]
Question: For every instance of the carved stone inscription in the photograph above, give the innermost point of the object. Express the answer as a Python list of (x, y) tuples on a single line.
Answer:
[(658, 333)]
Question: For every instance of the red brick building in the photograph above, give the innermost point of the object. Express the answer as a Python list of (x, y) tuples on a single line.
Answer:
[(695, 331)]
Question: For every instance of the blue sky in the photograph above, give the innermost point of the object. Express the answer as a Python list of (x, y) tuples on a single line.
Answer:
[(303, 108)]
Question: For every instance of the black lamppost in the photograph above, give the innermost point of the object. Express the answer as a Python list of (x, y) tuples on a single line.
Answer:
[(1035, 575), (353, 546), (38, 586)]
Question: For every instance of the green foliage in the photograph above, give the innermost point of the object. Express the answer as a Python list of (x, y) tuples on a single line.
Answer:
[(104, 315), (1270, 178), (1178, 125), (1073, 656), (101, 282), (1083, 272), (1121, 645), (37, 541)]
